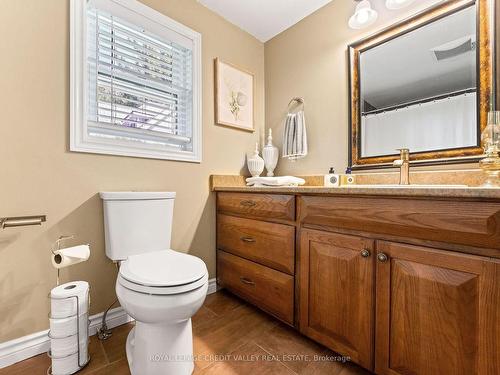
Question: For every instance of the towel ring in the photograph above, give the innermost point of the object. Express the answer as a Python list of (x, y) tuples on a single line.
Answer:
[(298, 100)]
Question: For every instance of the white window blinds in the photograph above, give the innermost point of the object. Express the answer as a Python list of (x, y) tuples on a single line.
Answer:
[(141, 89), (143, 85)]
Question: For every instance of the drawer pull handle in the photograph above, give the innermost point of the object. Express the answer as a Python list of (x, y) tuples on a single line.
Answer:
[(365, 253), (248, 203), (247, 239), (382, 257), (244, 280)]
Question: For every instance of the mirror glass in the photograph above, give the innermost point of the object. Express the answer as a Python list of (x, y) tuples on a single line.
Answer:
[(418, 89)]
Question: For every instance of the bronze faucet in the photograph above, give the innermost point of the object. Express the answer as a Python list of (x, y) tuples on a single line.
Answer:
[(404, 166)]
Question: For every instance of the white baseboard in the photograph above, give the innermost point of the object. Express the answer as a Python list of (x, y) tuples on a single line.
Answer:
[(212, 286), (28, 346), (24, 347)]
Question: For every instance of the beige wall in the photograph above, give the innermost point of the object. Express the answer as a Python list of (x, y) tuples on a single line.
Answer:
[(310, 60), (40, 176)]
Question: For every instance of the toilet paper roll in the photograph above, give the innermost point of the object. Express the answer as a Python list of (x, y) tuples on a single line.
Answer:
[(62, 327), (65, 365), (70, 256), (69, 364), (64, 346), (62, 305)]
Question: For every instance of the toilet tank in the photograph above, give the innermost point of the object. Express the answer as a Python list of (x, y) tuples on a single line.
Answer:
[(137, 222)]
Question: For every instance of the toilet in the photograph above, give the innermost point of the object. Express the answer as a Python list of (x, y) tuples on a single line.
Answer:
[(157, 286)]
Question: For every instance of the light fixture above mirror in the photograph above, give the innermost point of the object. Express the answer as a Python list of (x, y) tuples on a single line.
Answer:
[(363, 16), (397, 4)]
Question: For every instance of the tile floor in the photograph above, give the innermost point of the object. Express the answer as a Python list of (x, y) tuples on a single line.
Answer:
[(230, 338)]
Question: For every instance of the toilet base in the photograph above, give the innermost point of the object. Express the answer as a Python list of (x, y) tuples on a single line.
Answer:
[(161, 349)]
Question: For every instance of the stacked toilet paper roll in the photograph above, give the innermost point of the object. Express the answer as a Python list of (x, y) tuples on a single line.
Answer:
[(69, 326)]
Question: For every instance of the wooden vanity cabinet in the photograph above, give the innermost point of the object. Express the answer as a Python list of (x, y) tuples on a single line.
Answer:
[(337, 293), (401, 286), (437, 312)]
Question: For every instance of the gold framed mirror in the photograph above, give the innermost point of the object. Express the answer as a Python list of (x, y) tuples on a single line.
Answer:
[(425, 84)]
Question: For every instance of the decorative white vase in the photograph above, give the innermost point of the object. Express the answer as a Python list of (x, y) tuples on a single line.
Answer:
[(270, 154), (255, 163)]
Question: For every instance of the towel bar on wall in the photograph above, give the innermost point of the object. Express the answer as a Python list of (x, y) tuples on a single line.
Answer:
[(20, 221)]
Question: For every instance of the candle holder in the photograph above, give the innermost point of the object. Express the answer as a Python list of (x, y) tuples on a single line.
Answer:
[(490, 138)]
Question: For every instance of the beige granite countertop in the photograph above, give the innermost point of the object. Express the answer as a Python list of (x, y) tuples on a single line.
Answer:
[(237, 184)]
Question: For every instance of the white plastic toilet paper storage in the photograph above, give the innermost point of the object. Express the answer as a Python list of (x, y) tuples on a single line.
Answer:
[(69, 323)]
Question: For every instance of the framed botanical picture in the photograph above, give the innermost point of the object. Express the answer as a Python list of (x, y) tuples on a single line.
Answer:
[(234, 96)]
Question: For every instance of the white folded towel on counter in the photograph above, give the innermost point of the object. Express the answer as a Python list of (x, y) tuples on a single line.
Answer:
[(275, 181), (295, 136)]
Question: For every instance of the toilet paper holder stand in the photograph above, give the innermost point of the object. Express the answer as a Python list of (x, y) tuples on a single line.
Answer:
[(78, 333)]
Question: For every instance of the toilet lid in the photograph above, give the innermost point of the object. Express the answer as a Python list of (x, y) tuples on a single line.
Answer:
[(163, 290), (163, 268)]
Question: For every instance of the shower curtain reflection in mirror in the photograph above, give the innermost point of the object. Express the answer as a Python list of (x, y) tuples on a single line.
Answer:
[(441, 124)]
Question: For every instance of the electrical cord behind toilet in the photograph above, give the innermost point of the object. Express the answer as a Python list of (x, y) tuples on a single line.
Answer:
[(103, 333)]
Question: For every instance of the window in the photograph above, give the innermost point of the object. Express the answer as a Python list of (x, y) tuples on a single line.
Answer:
[(135, 82)]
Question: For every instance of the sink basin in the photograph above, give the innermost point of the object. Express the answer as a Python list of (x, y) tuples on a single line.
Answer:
[(395, 186)]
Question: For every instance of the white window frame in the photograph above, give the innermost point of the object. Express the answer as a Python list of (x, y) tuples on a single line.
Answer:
[(79, 139)]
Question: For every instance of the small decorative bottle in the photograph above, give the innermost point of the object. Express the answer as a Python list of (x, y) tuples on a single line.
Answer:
[(490, 138), (255, 163), (270, 154)]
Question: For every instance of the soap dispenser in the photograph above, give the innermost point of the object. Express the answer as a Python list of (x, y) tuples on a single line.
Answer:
[(348, 178), (331, 179)]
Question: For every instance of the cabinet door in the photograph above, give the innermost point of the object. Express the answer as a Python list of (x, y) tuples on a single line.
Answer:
[(337, 293), (437, 312)]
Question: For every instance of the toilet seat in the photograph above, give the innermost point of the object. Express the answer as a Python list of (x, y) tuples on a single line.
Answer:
[(163, 272), (162, 290)]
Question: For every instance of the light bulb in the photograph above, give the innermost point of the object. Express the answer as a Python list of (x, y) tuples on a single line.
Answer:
[(397, 4), (364, 16)]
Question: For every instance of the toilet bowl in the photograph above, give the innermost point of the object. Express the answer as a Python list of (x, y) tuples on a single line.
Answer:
[(157, 286), (161, 290)]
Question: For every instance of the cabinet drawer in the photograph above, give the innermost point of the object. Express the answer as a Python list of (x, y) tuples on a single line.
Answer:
[(268, 289), (266, 243), (457, 222), (272, 206)]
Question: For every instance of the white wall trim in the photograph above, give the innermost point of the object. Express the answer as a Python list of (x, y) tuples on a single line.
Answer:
[(212, 286), (28, 346), (22, 348)]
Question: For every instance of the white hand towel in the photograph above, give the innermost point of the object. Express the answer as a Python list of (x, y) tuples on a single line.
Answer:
[(275, 181), (287, 135), (295, 136)]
